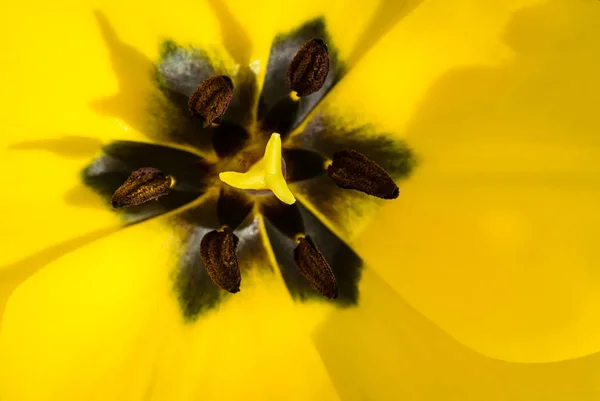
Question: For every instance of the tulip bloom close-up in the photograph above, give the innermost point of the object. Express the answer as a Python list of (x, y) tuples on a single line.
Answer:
[(308, 200)]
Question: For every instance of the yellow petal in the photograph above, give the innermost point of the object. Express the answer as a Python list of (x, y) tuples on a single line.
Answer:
[(386, 350), (62, 103), (267, 173), (96, 306), (490, 237), (369, 21), (104, 322), (405, 64)]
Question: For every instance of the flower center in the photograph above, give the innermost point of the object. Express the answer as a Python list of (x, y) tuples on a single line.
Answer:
[(265, 174), (262, 170)]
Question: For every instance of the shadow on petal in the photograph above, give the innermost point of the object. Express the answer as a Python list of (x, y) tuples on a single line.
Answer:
[(160, 116), (235, 37), (387, 15), (132, 70), (159, 107), (68, 146)]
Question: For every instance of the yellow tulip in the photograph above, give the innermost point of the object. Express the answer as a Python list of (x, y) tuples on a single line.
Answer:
[(480, 282)]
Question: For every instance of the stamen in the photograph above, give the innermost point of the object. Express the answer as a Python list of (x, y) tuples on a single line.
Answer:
[(309, 68), (314, 267), (294, 96), (352, 170), (141, 186), (211, 99), (267, 173), (217, 251)]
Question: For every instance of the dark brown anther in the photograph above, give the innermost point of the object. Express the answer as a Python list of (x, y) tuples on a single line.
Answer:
[(309, 68), (211, 99), (352, 170), (143, 185), (315, 268), (217, 250)]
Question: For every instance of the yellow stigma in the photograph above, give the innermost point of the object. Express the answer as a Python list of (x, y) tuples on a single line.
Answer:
[(265, 174), (294, 96)]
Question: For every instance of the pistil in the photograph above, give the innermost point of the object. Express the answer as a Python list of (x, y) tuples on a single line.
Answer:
[(267, 173)]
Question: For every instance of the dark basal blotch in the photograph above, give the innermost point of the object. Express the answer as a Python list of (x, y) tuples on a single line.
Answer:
[(210, 125)]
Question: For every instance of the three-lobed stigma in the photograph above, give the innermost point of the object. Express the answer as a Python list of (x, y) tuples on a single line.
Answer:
[(267, 173)]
